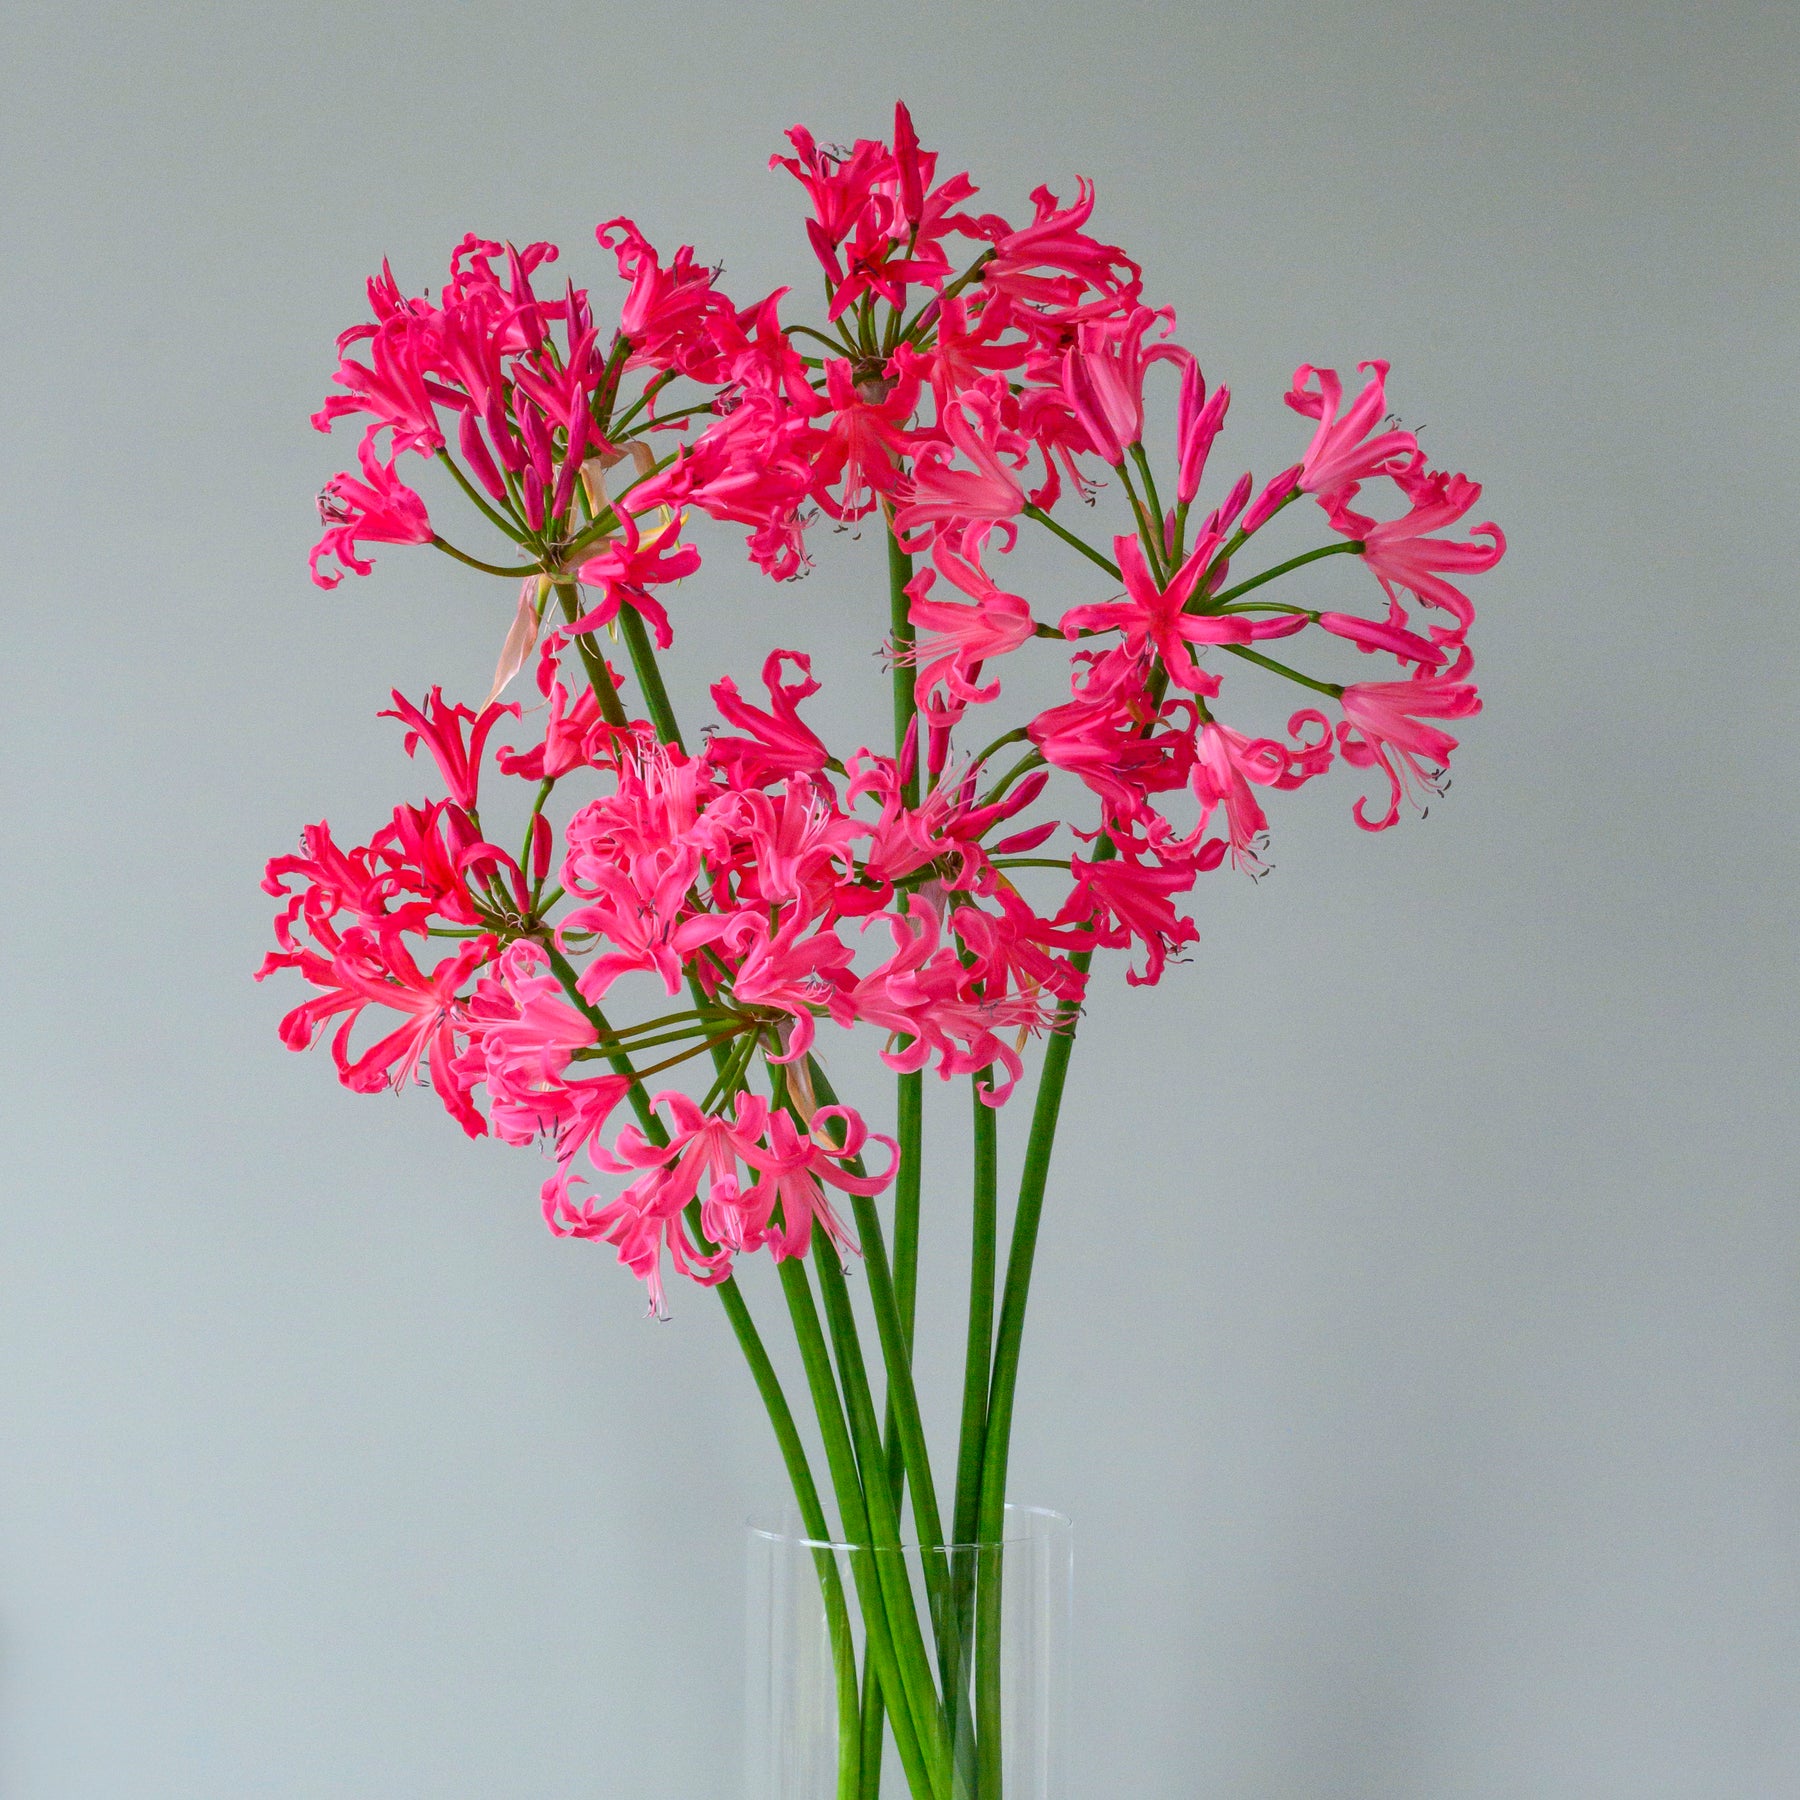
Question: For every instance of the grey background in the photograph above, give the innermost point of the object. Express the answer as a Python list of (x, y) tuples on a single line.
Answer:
[(1417, 1341)]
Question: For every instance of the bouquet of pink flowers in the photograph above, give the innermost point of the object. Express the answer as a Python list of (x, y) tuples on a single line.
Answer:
[(969, 378)]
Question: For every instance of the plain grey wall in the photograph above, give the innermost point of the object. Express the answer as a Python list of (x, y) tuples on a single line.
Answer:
[(1417, 1341)]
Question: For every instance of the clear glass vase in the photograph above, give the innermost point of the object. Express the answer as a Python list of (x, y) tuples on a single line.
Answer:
[(974, 1639)]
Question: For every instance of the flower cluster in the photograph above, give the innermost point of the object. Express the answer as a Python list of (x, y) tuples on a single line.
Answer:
[(970, 377)]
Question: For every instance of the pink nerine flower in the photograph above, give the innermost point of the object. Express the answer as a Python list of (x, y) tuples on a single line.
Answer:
[(1103, 377), (1157, 616), (1402, 554), (1342, 453), (440, 730), (1127, 900), (864, 442), (960, 638), (374, 968), (626, 570), (646, 1218), (1389, 634), (1051, 263), (1108, 733), (986, 494), (524, 1034), (393, 385), (668, 311), (793, 1171), (1225, 764), (569, 738), (791, 970), (780, 743), (748, 467), (1198, 421), (1383, 728), (379, 510)]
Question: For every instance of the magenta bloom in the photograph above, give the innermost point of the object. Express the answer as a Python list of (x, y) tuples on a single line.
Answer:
[(794, 1169), (1403, 554), (1384, 728), (1157, 617), (394, 385), (864, 443), (1226, 763), (1129, 901), (1343, 453), (986, 494), (523, 1035), (441, 730), (1103, 377), (1051, 264), (1198, 421), (1107, 734), (1389, 634), (381, 509), (749, 467), (374, 968), (669, 310), (645, 1220), (791, 970), (627, 569), (780, 743), (958, 639), (569, 738)]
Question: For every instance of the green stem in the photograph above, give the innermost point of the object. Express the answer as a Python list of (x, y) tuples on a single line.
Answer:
[(837, 345), (1143, 465), (972, 1432), (1069, 538), (1016, 736), (623, 424), (1350, 547), (812, 1519), (903, 1399), (910, 1109), (1032, 759), (910, 1135), (991, 1512), (606, 392), (854, 1515), (475, 562), (914, 1667), (873, 1724), (1334, 688), (1149, 532), (982, 1255), (653, 1042), (497, 519), (900, 572), (710, 1017), (537, 807), (593, 662), (893, 1323), (649, 676)]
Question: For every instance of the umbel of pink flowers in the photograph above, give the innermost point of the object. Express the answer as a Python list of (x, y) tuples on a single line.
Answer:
[(970, 377)]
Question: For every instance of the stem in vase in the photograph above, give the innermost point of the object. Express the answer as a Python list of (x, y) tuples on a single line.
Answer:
[(991, 1517), (878, 1640)]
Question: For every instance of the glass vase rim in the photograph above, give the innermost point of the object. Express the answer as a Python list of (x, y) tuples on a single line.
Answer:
[(1023, 1524)]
